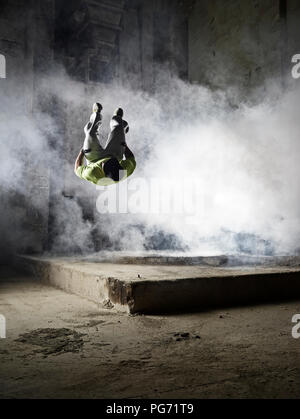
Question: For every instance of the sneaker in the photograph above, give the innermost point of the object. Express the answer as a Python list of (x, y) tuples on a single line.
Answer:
[(119, 112), (95, 119), (97, 108), (118, 116)]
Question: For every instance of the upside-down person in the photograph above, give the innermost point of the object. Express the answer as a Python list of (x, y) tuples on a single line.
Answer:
[(105, 166)]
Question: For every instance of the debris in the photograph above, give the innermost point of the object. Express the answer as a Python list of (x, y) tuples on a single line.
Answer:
[(100, 345), (53, 341), (108, 304), (91, 323), (180, 336)]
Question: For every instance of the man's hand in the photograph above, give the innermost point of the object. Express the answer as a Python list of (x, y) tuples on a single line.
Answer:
[(79, 159)]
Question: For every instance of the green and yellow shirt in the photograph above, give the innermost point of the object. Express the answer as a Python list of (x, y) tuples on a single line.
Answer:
[(94, 172)]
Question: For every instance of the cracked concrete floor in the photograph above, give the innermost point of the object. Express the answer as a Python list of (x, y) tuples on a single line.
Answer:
[(61, 346)]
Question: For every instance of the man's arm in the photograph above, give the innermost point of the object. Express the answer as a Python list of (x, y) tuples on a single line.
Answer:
[(79, 159)]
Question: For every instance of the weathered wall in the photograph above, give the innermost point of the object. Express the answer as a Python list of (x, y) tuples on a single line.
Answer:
[(151, 33), (293, 28), (25, 40), (235, 43)]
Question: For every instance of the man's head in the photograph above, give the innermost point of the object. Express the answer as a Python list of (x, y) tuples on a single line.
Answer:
[(112, 169)]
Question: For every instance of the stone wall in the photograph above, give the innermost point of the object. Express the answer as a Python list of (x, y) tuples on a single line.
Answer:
[(25, 41), (236, 43)]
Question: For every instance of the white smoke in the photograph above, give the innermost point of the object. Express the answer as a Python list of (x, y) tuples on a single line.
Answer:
[(243, 158)]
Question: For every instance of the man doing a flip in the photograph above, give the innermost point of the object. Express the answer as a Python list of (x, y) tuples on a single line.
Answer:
[(105, 166)]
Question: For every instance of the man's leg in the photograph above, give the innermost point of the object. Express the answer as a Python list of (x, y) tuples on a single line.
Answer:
[(115, 145), (91, 146)]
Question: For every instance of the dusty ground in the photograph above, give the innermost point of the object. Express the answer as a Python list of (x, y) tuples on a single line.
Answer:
[(59, 345)]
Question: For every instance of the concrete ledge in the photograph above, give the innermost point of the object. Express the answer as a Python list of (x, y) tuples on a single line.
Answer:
[(165, 288), (69, 276)]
